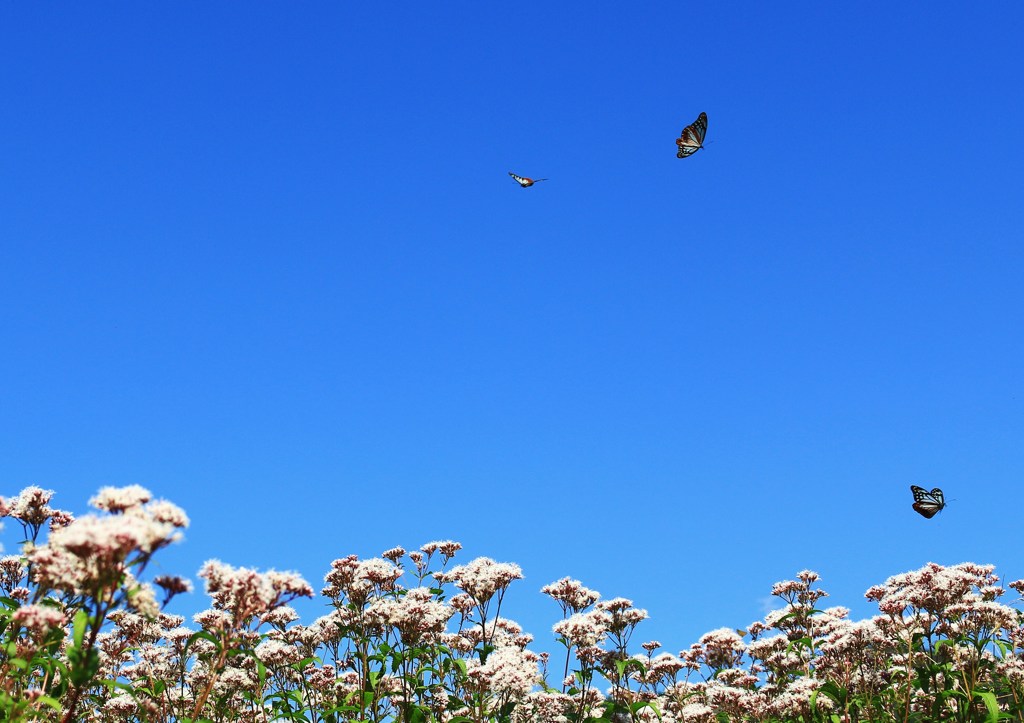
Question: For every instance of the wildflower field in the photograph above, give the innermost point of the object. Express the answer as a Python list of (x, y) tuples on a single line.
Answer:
[(419, 636)]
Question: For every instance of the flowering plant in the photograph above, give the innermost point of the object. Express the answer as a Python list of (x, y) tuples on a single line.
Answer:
[(411, 637)]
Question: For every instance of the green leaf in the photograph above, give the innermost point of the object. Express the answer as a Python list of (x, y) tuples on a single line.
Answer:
[(989, 699), (261, 671), (641, 704), (84, 662), (622, 665), (48, 701), (202, 635), (79, 625)]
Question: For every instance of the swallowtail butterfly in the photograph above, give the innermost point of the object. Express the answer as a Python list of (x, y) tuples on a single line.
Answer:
[(692, 138), (927, 503), (525, 182)]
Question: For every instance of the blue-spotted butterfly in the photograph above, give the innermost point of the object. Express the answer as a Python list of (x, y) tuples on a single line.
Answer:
[(692, 138), (927, 503), (525, 182)]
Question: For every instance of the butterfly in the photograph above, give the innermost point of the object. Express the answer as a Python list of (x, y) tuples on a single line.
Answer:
[(525, 182), (927, 503), (691, 139)]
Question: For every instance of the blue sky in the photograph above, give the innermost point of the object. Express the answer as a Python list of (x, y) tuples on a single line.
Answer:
[(265, 260)]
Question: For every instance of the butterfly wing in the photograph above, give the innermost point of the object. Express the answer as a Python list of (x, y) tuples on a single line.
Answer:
[(928, 509), (927, 503), (524, 182), (691, 139)]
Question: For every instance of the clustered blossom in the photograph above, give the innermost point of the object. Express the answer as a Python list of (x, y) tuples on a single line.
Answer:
[(414, 614), (277, 652), (92, 552), (121, 499), (662, 669), (12, 572), (31, 507), (357, 580), (244, 593), (39, 619), (542, 707), (172, 585), (571, 595), (482, 578), (622, 619), (509, 672), (943, 646), (447, 548), (796, 650), (933, 588), (584, 630), (722, 648)]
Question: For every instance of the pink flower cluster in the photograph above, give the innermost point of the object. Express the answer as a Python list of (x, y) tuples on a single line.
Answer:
[(407, 637)]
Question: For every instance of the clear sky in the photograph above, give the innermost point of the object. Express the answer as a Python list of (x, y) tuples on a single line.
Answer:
[(265, 259)]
